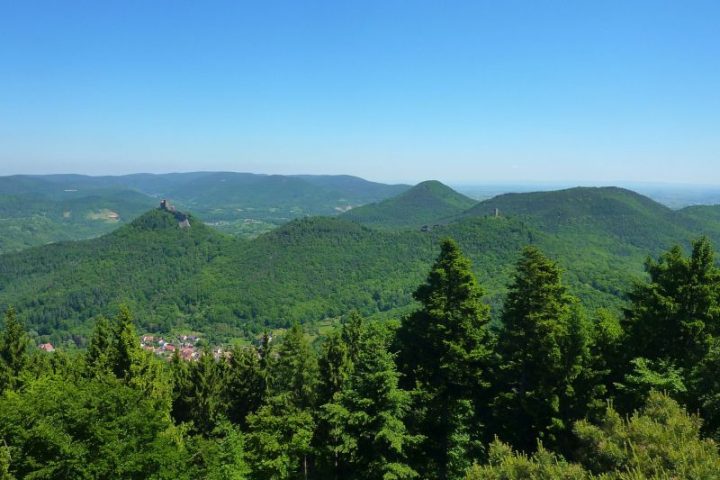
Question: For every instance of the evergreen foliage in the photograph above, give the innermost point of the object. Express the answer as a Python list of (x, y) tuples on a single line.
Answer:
[(445, 350), (364, 434), (281, 430), (675, 315), (13, 351), (543, 349), (565, 394), (425, 204)]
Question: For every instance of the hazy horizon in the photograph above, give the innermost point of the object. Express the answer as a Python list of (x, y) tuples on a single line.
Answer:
[(549, 184), (608, 93)]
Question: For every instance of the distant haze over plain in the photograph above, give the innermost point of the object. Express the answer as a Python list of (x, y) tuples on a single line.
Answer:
[(611, 92)]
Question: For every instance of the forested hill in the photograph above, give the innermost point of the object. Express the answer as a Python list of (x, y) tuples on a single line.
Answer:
[(39, 209), (320, 268), (704, 214), (624, 214), (58, 287), (427, 203), (29, 219)]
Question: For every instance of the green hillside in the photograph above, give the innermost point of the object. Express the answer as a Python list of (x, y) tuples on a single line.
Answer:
[(34, 209), (249, 204), (318, 268), (30, 219), (205, 281), (625, 215), (427, 203), (708, 215), (59, 287)]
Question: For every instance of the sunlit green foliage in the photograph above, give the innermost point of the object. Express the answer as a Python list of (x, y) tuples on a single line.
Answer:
[(543, 348), (426, 204)]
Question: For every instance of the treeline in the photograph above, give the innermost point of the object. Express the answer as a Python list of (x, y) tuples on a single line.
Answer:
[(553, 392)]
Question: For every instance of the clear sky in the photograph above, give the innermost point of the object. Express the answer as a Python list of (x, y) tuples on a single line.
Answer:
[(476, 91)]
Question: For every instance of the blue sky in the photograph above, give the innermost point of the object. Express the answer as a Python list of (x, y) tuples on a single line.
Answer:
[(465, 92)]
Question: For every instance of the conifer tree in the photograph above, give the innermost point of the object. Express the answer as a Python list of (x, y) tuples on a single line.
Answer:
[(540, 348), (281, 431), (206, 403), (338, 357), (245, 384), (126, 349), (445, 350), (336, 367), (13, 350), (182, 391), (100, 346), (368, 417), (675, 316)]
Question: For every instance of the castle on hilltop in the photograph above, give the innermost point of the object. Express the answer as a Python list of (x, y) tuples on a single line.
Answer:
[(183, 220), (165, 205)]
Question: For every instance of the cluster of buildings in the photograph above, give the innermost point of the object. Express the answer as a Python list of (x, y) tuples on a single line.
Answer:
[(185, 345)]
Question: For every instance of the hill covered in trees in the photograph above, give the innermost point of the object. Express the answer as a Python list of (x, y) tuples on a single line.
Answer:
[(39, 209), (40, 217), (315, 269), (624, 214), (552, 391), (426, 203)]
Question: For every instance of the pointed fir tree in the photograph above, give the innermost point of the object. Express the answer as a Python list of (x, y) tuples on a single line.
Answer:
[(338, 357), (541, 348), (182, 389), (444, 352), (367, 417), (206, 405), (126, 349), (13, 351), (336, 366), (245, 384), (99, 348), (280, 432), (676, 314), (294, 373)]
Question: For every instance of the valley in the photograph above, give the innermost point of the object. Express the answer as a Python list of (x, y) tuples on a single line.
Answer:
[(368, 259)]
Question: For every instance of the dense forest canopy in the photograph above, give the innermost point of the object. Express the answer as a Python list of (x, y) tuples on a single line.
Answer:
[(553, 390), (40, 209), (313, 270)]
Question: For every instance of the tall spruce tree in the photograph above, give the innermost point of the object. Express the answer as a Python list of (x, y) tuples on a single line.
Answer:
[(13, 351), (182, 391), (207, 408), (367, 417), (97, 356), (337, 361), (361, 430), (541, 348), (444, 352), (245, 384), (281, 430), (676, 314), (126, 350)]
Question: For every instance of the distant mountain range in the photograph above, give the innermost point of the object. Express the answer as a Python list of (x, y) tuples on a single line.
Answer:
[(35, 210), (317, 268)]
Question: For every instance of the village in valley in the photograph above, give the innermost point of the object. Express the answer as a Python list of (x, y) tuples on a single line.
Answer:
[(187, 347)]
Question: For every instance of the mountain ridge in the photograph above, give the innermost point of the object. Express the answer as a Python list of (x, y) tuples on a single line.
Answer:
[(204, 280), (428, 202)]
